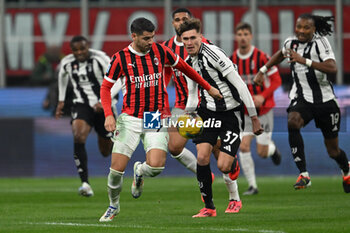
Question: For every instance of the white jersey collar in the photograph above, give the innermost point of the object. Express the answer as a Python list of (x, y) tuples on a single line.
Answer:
[(178, 43), (137, 53), (245, 56)]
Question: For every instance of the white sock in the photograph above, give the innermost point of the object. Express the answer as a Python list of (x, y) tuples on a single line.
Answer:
[(232, 187), (145, 170), (271, 150), (305, 174), (248, 168), (114, 183), (188, 159)]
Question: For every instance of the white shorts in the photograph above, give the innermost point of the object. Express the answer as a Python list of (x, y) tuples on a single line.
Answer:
[(266, 122), (130, 131)]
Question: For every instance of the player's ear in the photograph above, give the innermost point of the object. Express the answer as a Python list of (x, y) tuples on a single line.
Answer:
[(133, 36)]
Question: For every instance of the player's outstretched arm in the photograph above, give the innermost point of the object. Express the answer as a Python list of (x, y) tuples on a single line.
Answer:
[(276, 59), (215, 93), (192, 74)]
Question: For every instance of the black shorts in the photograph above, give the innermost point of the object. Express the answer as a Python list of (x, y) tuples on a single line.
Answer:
[(232, 123), (94, 119), (326, 115)]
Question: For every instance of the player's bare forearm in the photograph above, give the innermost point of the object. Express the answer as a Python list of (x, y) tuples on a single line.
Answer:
[(276, 59), (110, 123), (258, 100), (257, 129), (59, 109), (215, 93), (328, 66)]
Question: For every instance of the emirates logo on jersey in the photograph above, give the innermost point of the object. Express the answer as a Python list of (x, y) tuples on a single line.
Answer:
[(156, 61)]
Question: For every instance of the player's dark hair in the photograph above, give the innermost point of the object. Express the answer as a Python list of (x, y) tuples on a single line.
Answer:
[(322, 24), (77, 38), (190, 24), (243, 26), (140, 25), (179, 10)]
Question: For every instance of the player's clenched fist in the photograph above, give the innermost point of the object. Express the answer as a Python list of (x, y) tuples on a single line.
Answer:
[(110, 123)]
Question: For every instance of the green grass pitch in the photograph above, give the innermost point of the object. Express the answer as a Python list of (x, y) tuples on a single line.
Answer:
[(167, 204)]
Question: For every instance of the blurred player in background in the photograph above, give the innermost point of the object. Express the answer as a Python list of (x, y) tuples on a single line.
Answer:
[(177, 143), (141, 66), (216, 67), (249, 60), (85, 69), (312, 97)]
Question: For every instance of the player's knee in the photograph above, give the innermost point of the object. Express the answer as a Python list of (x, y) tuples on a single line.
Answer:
[(243, 147), (175, 150), (79, 137), (295, 122), (203, 160)]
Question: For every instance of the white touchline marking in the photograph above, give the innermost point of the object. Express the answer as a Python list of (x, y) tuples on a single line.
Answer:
[(37, 190), (150, 227)]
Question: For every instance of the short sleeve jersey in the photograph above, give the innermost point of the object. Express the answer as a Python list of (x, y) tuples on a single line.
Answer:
[(310, 84)]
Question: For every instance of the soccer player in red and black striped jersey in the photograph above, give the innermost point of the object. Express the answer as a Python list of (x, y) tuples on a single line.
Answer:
[(249, 60), (141, 67)]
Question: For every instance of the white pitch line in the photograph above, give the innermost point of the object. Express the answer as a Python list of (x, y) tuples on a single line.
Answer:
[(37, 190), (150, 227)]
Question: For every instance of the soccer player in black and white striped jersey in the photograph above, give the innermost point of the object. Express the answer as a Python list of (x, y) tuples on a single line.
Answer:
[(312, 98), (215, 67), (177, 143), (85, 69)]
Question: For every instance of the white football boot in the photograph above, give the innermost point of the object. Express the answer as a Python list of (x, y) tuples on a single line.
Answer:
[(110, 213), (137, 184), (86, 190)]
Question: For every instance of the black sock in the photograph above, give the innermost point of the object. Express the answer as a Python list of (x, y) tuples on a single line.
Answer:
[(297, 147), (80, 159), (205, 181), (342, 161)]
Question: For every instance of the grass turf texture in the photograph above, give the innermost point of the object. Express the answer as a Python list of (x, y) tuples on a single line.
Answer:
[(167, 204)]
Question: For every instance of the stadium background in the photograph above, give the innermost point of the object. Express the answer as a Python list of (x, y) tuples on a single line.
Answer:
[(35, 144)]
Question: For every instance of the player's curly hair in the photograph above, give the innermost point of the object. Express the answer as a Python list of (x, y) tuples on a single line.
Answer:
[(322, 23)]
